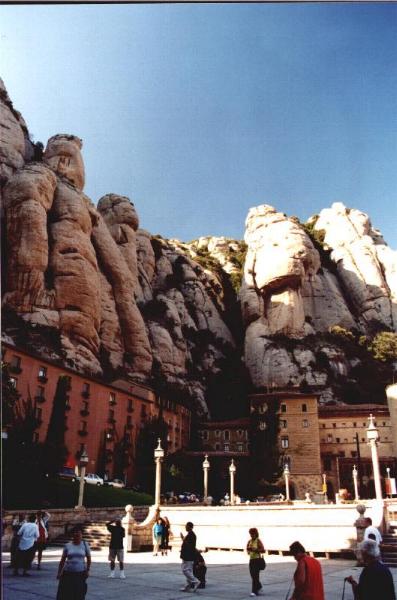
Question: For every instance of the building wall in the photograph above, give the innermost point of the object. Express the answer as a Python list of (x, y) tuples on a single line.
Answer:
[(99, 414), (225, 436)]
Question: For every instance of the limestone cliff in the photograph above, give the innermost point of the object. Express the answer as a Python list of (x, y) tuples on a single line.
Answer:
[(294, 305)]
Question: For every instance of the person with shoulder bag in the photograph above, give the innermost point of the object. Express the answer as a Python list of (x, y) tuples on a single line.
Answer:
[(74, 568), (257, 563)]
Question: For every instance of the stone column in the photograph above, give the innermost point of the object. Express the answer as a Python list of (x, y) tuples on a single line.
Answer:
[(128, 522), (232, 472), (355, 474), (373, 436), (206, 466), (158, 457), (286, 477)]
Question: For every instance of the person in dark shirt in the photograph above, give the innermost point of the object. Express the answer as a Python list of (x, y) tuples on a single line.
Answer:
[(376, 580), (199, 568), (116, 547), (188, 551)]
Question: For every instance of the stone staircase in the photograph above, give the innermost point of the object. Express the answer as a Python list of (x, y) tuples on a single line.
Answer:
[(390, 555), (95, 534)]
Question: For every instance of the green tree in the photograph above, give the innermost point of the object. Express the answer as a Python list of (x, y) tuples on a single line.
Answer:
[(55, 450), (384, 346), (264, 451), (153, 429)]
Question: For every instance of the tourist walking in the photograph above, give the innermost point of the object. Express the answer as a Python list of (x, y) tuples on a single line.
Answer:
[(308, 577), (74, 568), (371, 532), (116, 547), (17, 521), (187, 555), (165, 536), (42, 519), (199, 568), (28, 533), (257, 563), (158, 532), (376, 580)]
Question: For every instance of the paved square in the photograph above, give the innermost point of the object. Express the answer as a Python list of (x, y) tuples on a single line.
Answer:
[(159, 578)]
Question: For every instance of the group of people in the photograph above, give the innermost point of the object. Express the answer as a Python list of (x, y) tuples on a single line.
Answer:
[(375, 581), (29, 535), (161, 536)]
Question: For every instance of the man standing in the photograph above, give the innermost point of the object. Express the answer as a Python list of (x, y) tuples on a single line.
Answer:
[(116, 549), (188, 552), (308, 576)]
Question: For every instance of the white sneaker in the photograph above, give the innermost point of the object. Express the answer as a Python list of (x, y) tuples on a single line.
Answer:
[(194, 588), (122, 575), (111, 576), (252, 594)]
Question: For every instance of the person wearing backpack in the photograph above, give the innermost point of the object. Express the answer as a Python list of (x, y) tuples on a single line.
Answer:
[(255, 550), (74, 568)]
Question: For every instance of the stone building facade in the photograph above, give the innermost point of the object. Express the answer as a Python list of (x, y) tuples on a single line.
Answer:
[(104, 417)]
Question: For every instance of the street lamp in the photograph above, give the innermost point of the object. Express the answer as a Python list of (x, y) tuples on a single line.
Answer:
[(232, 472), (206, 467), (83, 462), (158, 457), (286, 477), (355, 475), (388, 485), (324, 487), (372, 437)]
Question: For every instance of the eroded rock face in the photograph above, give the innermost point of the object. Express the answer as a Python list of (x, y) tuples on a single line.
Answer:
[(15, 146), (280, 258), (365, 265)]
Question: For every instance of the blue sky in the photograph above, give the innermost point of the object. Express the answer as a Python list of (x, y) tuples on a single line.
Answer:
[(198, 112)]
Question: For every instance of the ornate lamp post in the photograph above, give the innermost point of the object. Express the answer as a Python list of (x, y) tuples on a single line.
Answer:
[(355, 475), (286, 478), (232, 472), (158, 457), (372, 437), (206, 467), (324, 487), (83, 462)]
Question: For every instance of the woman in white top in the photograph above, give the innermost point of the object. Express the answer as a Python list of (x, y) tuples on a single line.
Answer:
[(74, 568), (28, 534)]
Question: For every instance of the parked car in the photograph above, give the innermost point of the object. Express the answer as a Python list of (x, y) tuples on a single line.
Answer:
[(67, 473), (93, 478), (117, 483)]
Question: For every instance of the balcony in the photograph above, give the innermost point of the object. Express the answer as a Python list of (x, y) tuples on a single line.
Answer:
[(42, 378), (129, 426), (39, 399), (82, 432), (68, 406), (111, 420), (15, 369), (86, 394), (84, 412), (130, 409)]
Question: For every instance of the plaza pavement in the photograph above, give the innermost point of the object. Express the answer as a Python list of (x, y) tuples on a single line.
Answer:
[(159, 578)]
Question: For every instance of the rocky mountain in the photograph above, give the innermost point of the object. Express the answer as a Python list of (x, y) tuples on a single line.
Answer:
[(297, 305)]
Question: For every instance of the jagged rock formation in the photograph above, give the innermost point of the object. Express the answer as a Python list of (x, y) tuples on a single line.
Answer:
[(185, 317)]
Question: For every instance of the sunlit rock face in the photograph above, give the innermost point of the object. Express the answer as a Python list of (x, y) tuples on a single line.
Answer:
[(366, 266), (125, 303)]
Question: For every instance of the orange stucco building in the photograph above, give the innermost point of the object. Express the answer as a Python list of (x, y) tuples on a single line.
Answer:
[(100, 416)]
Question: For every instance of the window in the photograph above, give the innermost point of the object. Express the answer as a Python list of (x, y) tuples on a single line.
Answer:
[(38, 413), (40, 391), (334, 425), (111, 416), (83, 425), (283, 423), (205, 434), (15, 365), (240, 447), (112, 398), (384, 424), (304, 407), (42, 372), (226, 435), (129, 420), (217, 447), (130, 407), (341, 454), (217, 433), (353, 454), (240, 433), (354, 424), (143, 411), (283, 408), (13, 382), (363, 439), (329, 438), (226, 447), (327, 463), (86, 390), (284, 441), (337, 440), (323, 425), (305, 423)]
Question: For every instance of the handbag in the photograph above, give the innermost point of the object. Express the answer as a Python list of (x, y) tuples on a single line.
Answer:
[(261, 563)]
